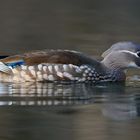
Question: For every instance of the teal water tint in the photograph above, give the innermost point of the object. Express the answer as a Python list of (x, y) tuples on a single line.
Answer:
[(69, 111)]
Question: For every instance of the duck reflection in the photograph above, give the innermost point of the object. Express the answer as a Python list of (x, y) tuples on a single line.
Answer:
[(117, 100), (121, 111), (122, 105), (44, 94)]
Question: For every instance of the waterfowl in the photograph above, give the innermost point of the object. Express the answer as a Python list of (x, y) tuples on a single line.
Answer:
[(71, 66)]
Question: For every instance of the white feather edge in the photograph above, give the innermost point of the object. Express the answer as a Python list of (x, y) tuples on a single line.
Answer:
[(4, 68)]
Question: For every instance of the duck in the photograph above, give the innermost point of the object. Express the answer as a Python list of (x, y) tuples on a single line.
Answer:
[(71, 66)]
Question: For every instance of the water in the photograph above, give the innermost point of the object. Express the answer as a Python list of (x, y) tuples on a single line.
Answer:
[(35, 111), (69, 111)]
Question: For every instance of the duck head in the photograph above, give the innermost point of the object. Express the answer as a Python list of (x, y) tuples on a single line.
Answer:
[(122, 55)]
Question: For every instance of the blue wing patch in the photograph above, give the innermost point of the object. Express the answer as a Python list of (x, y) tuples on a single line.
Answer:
[(15, 63), (6, 67)]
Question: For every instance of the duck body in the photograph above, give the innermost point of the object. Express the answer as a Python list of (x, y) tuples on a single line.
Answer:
[(62, 66), (52, 65)]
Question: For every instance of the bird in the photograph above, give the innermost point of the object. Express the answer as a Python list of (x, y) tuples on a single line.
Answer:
[(71, 66)]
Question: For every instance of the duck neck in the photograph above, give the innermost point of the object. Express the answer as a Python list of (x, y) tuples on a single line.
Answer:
[(115, 72)]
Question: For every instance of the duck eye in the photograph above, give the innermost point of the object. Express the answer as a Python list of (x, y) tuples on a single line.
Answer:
[(138, 54)]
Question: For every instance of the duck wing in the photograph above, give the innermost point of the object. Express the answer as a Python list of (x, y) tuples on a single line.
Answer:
[(51, 56), (51, 65)]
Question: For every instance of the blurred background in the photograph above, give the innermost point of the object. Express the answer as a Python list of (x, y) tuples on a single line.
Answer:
[(35, 111), (90, 26)]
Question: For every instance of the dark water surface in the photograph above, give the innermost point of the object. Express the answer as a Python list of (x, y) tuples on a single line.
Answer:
[(69, 111), (47, 111)]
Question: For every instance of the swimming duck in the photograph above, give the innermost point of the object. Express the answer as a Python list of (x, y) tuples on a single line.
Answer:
[(71, 66)]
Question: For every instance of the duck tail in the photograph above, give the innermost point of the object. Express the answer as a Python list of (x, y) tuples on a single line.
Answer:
[(3, 56)]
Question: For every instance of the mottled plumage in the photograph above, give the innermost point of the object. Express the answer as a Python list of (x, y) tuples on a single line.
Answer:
[(70, 66)]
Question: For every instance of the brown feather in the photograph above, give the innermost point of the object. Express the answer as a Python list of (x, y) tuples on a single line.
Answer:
[(53, 56)]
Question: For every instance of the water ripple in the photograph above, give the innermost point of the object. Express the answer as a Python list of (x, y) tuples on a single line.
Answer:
[(66, 94)]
